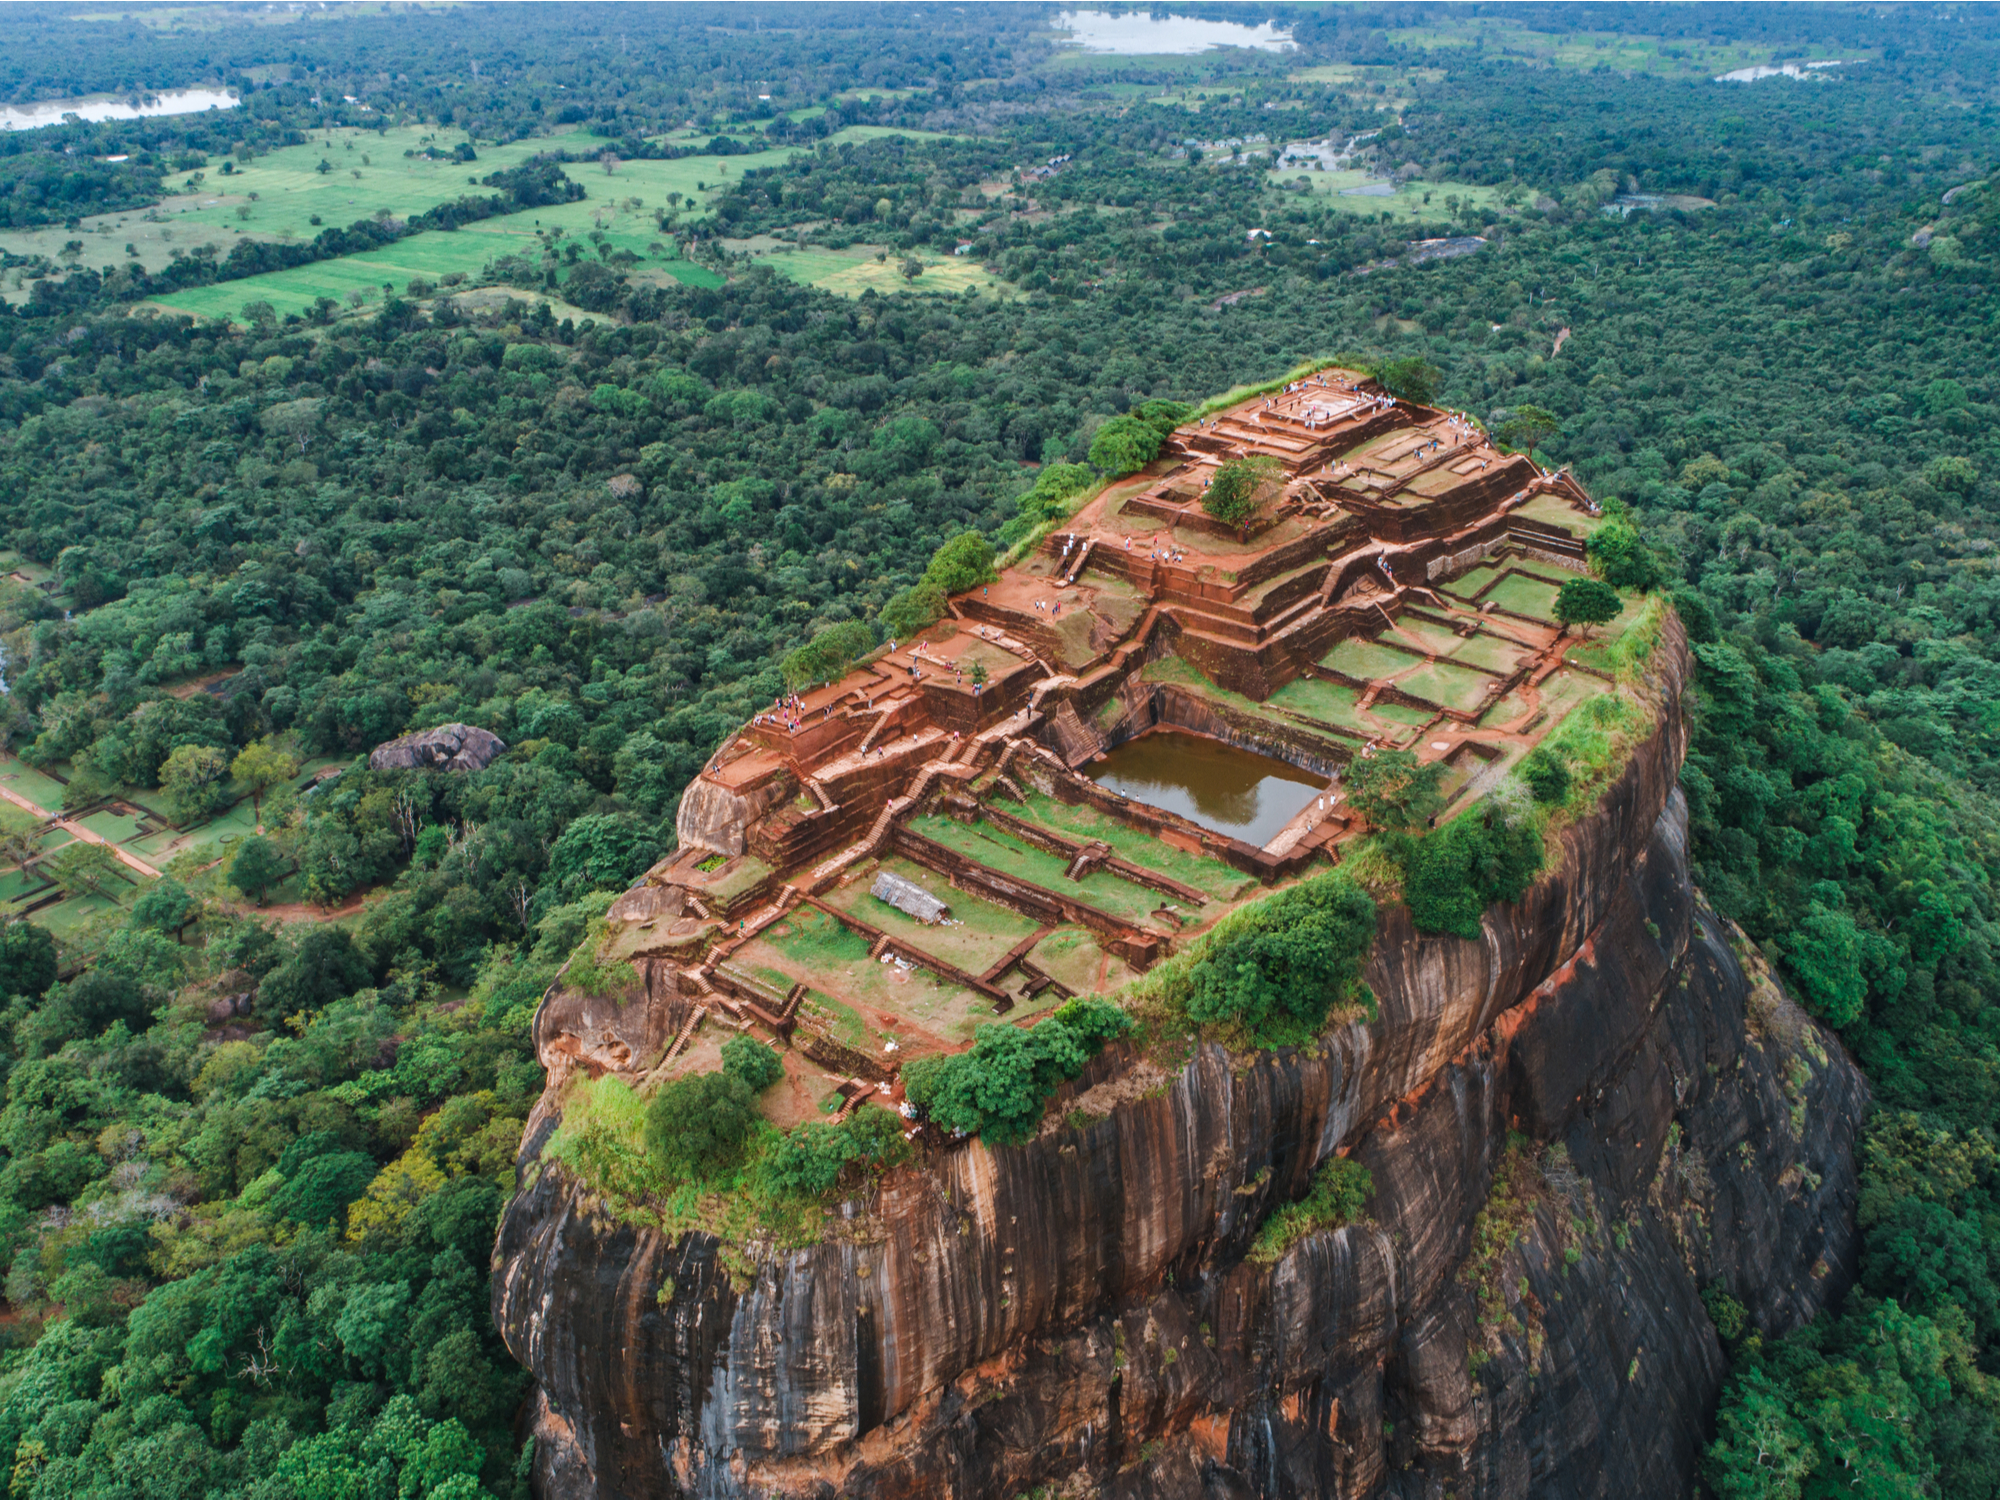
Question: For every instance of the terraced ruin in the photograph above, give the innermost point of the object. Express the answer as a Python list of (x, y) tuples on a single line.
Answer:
[(1051, 789)]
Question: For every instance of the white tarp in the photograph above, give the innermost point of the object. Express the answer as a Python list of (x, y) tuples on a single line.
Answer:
[(908, 897)]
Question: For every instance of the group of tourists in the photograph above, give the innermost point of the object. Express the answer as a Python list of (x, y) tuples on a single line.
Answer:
[(788, 713)]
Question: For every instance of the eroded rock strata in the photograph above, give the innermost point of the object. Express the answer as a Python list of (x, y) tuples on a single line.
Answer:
[(1609, 1074)]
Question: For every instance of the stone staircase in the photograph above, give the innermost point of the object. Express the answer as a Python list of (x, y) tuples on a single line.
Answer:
[(1079, 741), (695, 1018)]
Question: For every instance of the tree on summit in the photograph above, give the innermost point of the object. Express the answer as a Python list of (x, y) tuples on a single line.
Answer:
[(1587, 602)]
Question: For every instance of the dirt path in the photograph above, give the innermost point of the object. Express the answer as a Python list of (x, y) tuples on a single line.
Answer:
[(78, 831)]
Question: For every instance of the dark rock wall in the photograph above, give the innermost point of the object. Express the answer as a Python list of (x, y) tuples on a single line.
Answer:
[(1079, 1310)]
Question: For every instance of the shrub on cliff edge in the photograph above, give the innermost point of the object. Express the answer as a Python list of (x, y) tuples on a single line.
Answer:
[(1125, 445), (811, 1159), (1276, 967), (1489, 854), (697, 1126), (999, 1089)]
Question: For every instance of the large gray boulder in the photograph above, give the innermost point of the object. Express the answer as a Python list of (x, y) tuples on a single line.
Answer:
[(449, 747)]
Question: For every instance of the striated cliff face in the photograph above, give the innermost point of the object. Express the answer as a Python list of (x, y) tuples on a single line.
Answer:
[(1572, 1124)]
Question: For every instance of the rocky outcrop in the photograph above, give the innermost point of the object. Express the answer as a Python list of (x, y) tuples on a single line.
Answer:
[(449, 747), (1573, 1125)]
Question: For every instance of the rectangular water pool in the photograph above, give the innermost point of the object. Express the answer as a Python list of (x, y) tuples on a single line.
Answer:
[(1238, 793)]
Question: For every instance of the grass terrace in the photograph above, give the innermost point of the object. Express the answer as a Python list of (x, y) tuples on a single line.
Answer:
[(999, 850), (1367, 660)]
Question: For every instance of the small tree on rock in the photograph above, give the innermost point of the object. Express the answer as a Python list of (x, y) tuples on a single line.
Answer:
[(1392, 790), (1528, 428), (1238, 489), (1587, 602), (964, 562), (1411, 379)]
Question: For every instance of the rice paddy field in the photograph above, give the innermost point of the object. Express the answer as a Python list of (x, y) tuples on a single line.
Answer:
[(851, 272)]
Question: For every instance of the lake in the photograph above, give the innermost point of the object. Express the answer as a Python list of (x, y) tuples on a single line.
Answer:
[(100, 107), (1785, 70), (1144, 35), (1235, 792)]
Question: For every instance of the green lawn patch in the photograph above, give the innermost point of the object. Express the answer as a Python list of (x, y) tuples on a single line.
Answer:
[(1506, 711), (18, 885), (1367, 660), (1072, 957), (1519, 594), (1471, 585), (1327, 702), (24, 780), (1491, 652), (112, 827), (1447, 685), (1402, 713), (1002, 851), (1210, 876), (1437, 639), (978, 933)]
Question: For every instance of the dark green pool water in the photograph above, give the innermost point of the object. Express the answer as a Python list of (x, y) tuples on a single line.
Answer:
[(1235, 792)]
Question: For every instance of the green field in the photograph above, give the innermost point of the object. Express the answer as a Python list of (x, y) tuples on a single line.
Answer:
[(1437, 640), (999, 850), (1141, 848), (1412, 200), (1621, 52), (23, 780), (289, 192), (1328, 702), (621, 208), (1471, 584), (981, 931), (859, 268), (1504, 712)]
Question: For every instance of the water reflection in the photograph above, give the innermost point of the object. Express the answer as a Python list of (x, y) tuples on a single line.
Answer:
[(1139, 34), (98, 107), (1783, 70), (1235, 792)]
